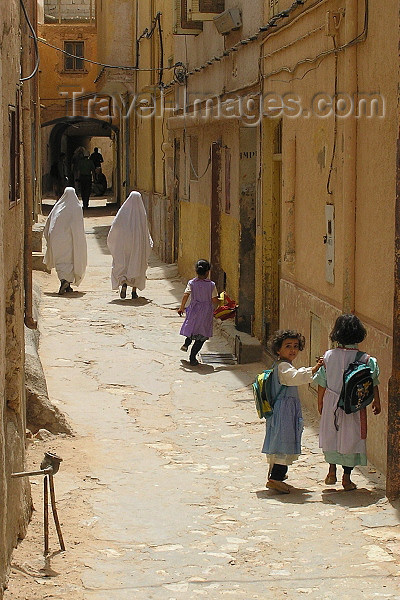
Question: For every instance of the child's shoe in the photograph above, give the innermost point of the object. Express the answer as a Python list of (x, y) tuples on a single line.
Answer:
[(194, 362), (184, 348)]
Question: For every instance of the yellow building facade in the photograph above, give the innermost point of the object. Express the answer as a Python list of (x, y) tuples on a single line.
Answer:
[(269, 147), (329, 178)]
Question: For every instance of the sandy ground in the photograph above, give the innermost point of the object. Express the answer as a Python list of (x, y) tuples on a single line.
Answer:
[(161, 492)]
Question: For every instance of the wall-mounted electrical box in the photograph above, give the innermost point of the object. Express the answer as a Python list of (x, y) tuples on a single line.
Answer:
[(229, 20)]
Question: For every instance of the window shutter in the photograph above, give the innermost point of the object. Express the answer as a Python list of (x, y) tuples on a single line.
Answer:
[(184, 26), (205, 10)]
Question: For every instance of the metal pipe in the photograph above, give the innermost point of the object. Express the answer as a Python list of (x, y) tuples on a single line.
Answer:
[(46, 471), (393, 434), (54, 509), (349, 177), (46, 515), (27, 90)]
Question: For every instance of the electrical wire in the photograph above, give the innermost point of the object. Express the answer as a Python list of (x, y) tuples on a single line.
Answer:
[(194, 170), (358, 39), (335, 127), (228, 51), (35, 42), (106, 66)]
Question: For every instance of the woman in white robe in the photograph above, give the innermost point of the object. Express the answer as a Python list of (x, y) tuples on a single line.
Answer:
[(130, 244), (66, 243)]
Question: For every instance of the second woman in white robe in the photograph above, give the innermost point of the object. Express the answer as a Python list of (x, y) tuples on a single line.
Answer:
[(130, 244)]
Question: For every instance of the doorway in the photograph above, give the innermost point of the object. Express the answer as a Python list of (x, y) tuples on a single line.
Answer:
[(247, 244)]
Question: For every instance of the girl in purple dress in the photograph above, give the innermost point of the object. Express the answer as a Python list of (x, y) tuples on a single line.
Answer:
[(198, 324)]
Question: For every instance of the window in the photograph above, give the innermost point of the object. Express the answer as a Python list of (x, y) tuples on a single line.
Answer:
[(204, 10), (183, 25), (75, 62), (14, 175)]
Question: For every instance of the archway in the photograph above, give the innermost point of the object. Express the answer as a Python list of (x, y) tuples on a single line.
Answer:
[(65, 134)]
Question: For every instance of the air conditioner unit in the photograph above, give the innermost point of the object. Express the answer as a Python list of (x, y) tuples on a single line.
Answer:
[(228, 20)]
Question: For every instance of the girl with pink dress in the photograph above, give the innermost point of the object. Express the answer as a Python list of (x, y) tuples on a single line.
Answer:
[(343, 436)]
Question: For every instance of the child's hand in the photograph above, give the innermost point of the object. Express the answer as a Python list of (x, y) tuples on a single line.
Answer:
[(376, 403), (320, 362), (376, 407), (180, 312)]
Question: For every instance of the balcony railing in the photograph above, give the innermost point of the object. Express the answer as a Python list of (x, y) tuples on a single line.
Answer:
[(63, 11)]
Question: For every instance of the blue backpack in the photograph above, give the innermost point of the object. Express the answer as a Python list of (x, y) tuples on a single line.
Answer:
[(358, 386), (262, 391)]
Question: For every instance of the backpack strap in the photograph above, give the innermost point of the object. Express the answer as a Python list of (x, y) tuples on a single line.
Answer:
[(362, 357), (282, 387)]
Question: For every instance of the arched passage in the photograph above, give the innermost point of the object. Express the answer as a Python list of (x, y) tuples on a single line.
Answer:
[(65, 134)]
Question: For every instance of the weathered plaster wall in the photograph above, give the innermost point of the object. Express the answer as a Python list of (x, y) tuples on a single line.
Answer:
[(308, 144), (15, 504), (57, 85)]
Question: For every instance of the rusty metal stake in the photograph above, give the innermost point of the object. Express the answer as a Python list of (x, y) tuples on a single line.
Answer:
[(54, 509), (49, 467), (46, 515)]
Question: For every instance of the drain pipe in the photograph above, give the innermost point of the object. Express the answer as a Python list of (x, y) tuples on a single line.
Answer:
[(349, 180), (28, 205), (393, 435)]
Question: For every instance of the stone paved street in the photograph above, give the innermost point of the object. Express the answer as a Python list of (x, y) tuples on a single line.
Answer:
[(161, 492)]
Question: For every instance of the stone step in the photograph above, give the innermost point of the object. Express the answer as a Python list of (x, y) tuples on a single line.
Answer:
[(37, 262), (37, 237), (246, 348)]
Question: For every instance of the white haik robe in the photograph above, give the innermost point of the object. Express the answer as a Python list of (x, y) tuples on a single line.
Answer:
[(130, 244), (65, 235)]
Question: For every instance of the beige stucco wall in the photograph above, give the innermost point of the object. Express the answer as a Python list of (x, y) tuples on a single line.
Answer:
[(304, 289), (15, 504)]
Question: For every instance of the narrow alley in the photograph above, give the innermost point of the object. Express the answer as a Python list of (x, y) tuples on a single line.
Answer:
[(161, 492)]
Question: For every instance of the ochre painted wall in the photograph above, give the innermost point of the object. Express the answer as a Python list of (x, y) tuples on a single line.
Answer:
[(58, 85), (323, 159)]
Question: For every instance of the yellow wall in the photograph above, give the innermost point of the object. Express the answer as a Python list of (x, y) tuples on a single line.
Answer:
[(57, 85), (230, 232), (364, 220), (194, 240)]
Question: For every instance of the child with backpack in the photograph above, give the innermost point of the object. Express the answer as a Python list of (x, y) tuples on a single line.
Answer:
[(343, 436), (282, 443), (198, 324)]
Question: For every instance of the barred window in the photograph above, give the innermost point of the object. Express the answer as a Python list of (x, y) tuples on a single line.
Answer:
[(75, 62)]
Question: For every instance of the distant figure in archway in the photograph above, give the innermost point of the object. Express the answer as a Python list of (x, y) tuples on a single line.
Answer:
[(130, 244), (59, 175), (99, 186), (96, 158), (76, 157), (86, 170), (66, 243)]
